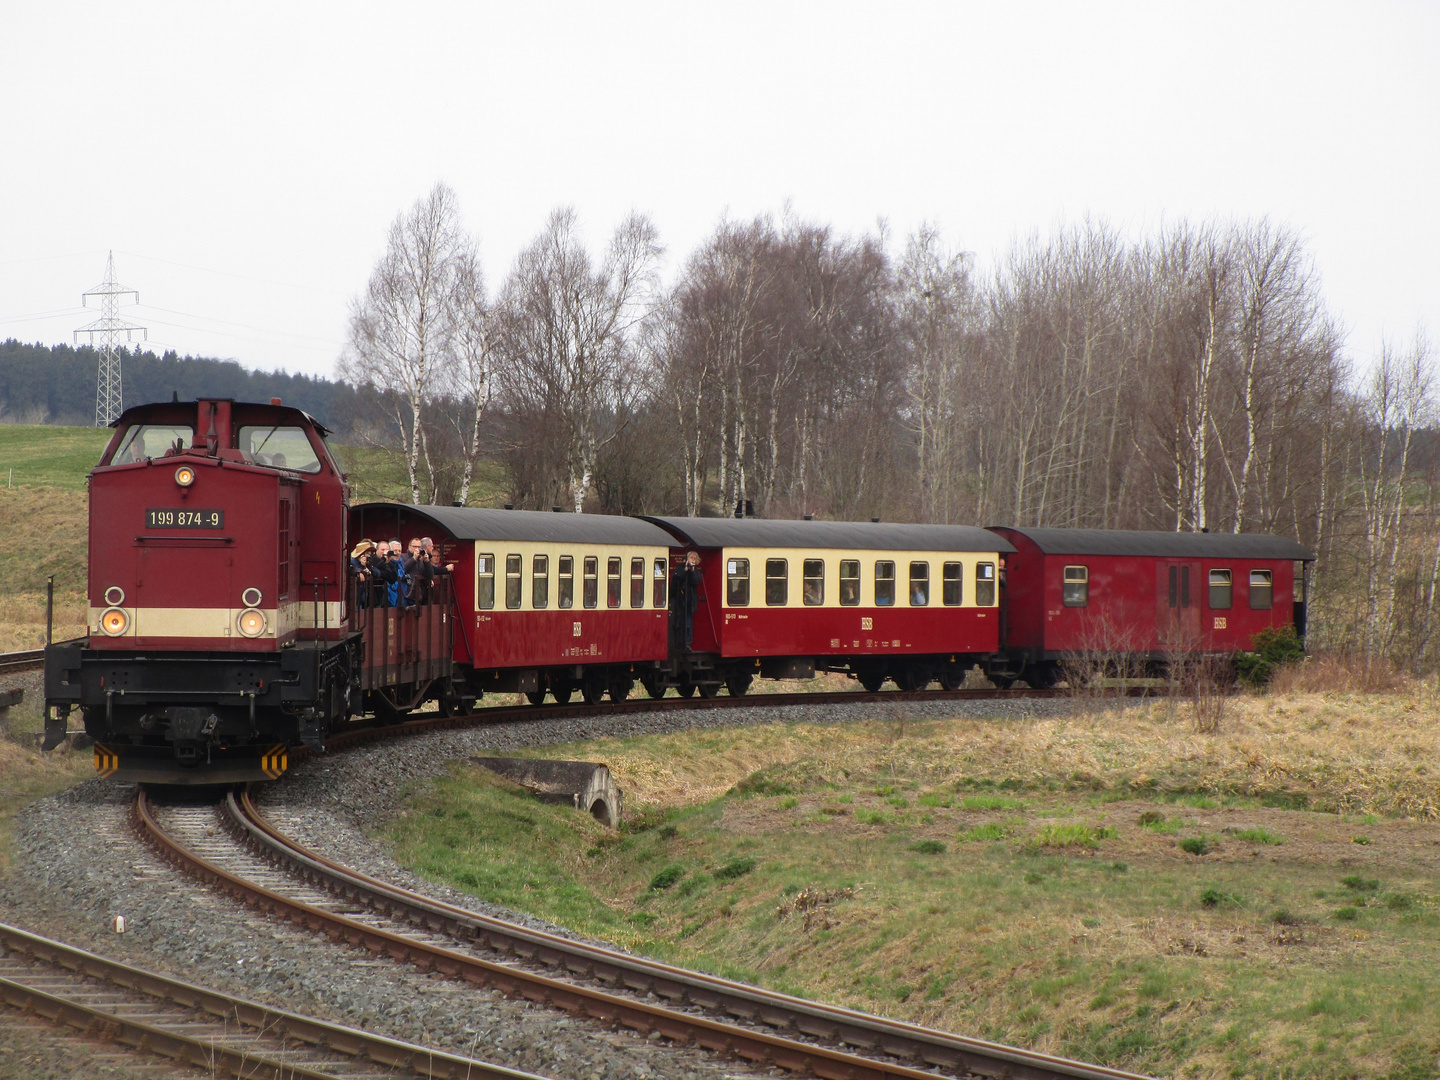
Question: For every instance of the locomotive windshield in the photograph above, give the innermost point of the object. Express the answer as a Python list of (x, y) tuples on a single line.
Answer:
[(151, 441), (280, 447)]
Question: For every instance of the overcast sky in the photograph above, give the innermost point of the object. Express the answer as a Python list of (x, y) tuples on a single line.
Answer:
[(244, 161)]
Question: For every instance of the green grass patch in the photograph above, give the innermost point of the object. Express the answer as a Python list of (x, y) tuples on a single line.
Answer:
[(1071, 835), (992, 831), (929, 847), (1197, 845), (991, 802), (1258, 836)]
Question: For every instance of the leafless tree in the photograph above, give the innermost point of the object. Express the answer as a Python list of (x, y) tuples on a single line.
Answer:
[(403, 327)]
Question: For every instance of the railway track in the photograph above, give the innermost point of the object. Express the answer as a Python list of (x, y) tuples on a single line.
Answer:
[(232, 847), (198, 1029), (13, 663)]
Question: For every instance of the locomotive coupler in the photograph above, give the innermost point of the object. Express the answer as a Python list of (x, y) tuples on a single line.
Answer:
[(312, 730)]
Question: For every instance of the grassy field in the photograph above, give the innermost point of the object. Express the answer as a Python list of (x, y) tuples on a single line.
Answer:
[(43, 455), (1113, 886)]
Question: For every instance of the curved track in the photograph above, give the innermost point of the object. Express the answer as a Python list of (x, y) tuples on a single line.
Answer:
[(13, 663), (246, 856), (214, 1032)]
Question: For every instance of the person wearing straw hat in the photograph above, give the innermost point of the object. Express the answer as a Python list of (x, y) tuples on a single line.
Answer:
[(361, 570)]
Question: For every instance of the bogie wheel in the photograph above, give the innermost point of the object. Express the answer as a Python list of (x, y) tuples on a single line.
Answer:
[(620, 689), (562, 692), (709, 689), (686, 689), (593, 692), (738, 685), (1044, 676), (1001, 681), (653, 687), (535, 697), (952, 679), (911, 679), (872, 681)]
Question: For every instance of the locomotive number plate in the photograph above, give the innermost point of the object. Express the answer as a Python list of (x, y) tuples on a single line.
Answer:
[(184, 519)]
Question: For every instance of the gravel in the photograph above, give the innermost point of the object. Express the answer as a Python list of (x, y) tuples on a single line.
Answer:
[(75, 867)]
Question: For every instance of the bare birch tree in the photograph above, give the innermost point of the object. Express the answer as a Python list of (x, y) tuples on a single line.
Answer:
[(402, 328)]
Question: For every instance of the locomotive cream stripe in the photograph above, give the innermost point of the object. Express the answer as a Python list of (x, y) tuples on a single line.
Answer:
[(498, 550), (795, 574), (153, 622)]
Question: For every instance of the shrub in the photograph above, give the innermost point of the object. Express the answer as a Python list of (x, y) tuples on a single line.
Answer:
[(1274, 648), (1347, 914), (929, 847), (1196, 845), (1360, 884), (1214, 898), (667, 877), (735, 868), (761, 783)]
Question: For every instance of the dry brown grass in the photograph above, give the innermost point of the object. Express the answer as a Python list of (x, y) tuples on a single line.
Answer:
[(22, 620), (1333, 751), (1342, 673)]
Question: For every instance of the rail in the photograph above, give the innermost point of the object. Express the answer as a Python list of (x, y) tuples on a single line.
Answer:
[(694, 1004), (152, 1014), (12, 663)]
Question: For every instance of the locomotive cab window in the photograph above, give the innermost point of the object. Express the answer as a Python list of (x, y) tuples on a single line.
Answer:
[(484, 582), (512, 581), (661, 584), (985, 584), (540, 582), (592, 581), (1076, 588), (884, 583), (919, 584), (565, 582), (637, 582), (1221, 589), (279, 448), (813, 588), (849, 582), (1262, 590), (953, 592), (150, 441), (612, 582), (777, 582), (737, 582)]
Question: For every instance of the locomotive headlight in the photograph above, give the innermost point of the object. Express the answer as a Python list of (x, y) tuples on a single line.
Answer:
[(251, 623), (114, 621), (250, 597), (184, 476)]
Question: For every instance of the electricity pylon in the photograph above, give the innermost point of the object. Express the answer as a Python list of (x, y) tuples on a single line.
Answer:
[(108, 398)]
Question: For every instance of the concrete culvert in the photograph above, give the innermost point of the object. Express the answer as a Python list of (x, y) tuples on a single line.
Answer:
[(581, 784)]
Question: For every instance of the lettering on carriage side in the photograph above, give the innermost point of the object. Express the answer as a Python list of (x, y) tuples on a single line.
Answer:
[(1220, 622), (575, 631), (867, 624), (834, 643)]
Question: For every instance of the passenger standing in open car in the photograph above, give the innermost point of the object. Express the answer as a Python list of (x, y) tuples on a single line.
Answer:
[(362, 573), (684, 600)]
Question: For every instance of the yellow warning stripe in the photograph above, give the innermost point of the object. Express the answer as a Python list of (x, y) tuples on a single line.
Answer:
[(106, 760), (275, 761)]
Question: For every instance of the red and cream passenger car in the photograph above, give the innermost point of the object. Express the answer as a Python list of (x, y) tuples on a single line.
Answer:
[(784, 599), (544, 602), (1143, 596)]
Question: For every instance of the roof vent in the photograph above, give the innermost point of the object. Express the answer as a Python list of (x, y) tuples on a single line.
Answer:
[(809, 517), (274, 401), (555, 509), (875, 520), (509, 506), (457, 502)]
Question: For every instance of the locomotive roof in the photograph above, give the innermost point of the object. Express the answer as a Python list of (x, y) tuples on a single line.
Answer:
[(1165, 544), (529, 526), (851, 535)]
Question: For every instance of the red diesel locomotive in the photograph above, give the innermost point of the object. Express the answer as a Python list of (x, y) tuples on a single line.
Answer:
[(224, 626)]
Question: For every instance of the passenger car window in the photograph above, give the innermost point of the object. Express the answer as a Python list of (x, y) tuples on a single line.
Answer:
[(662, 583), (512, 581), (814, 584), (954, 587), (592, 582), (849, 582), (777, 582), (1262, 590), (919, 584), (540, 582), (985, 584), (637, 582), (1076, 589), (884, 583), (737, 582), (484, 582), (565, 582), (279, 447), (150, 441), (612, 581), (1221, 589)]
